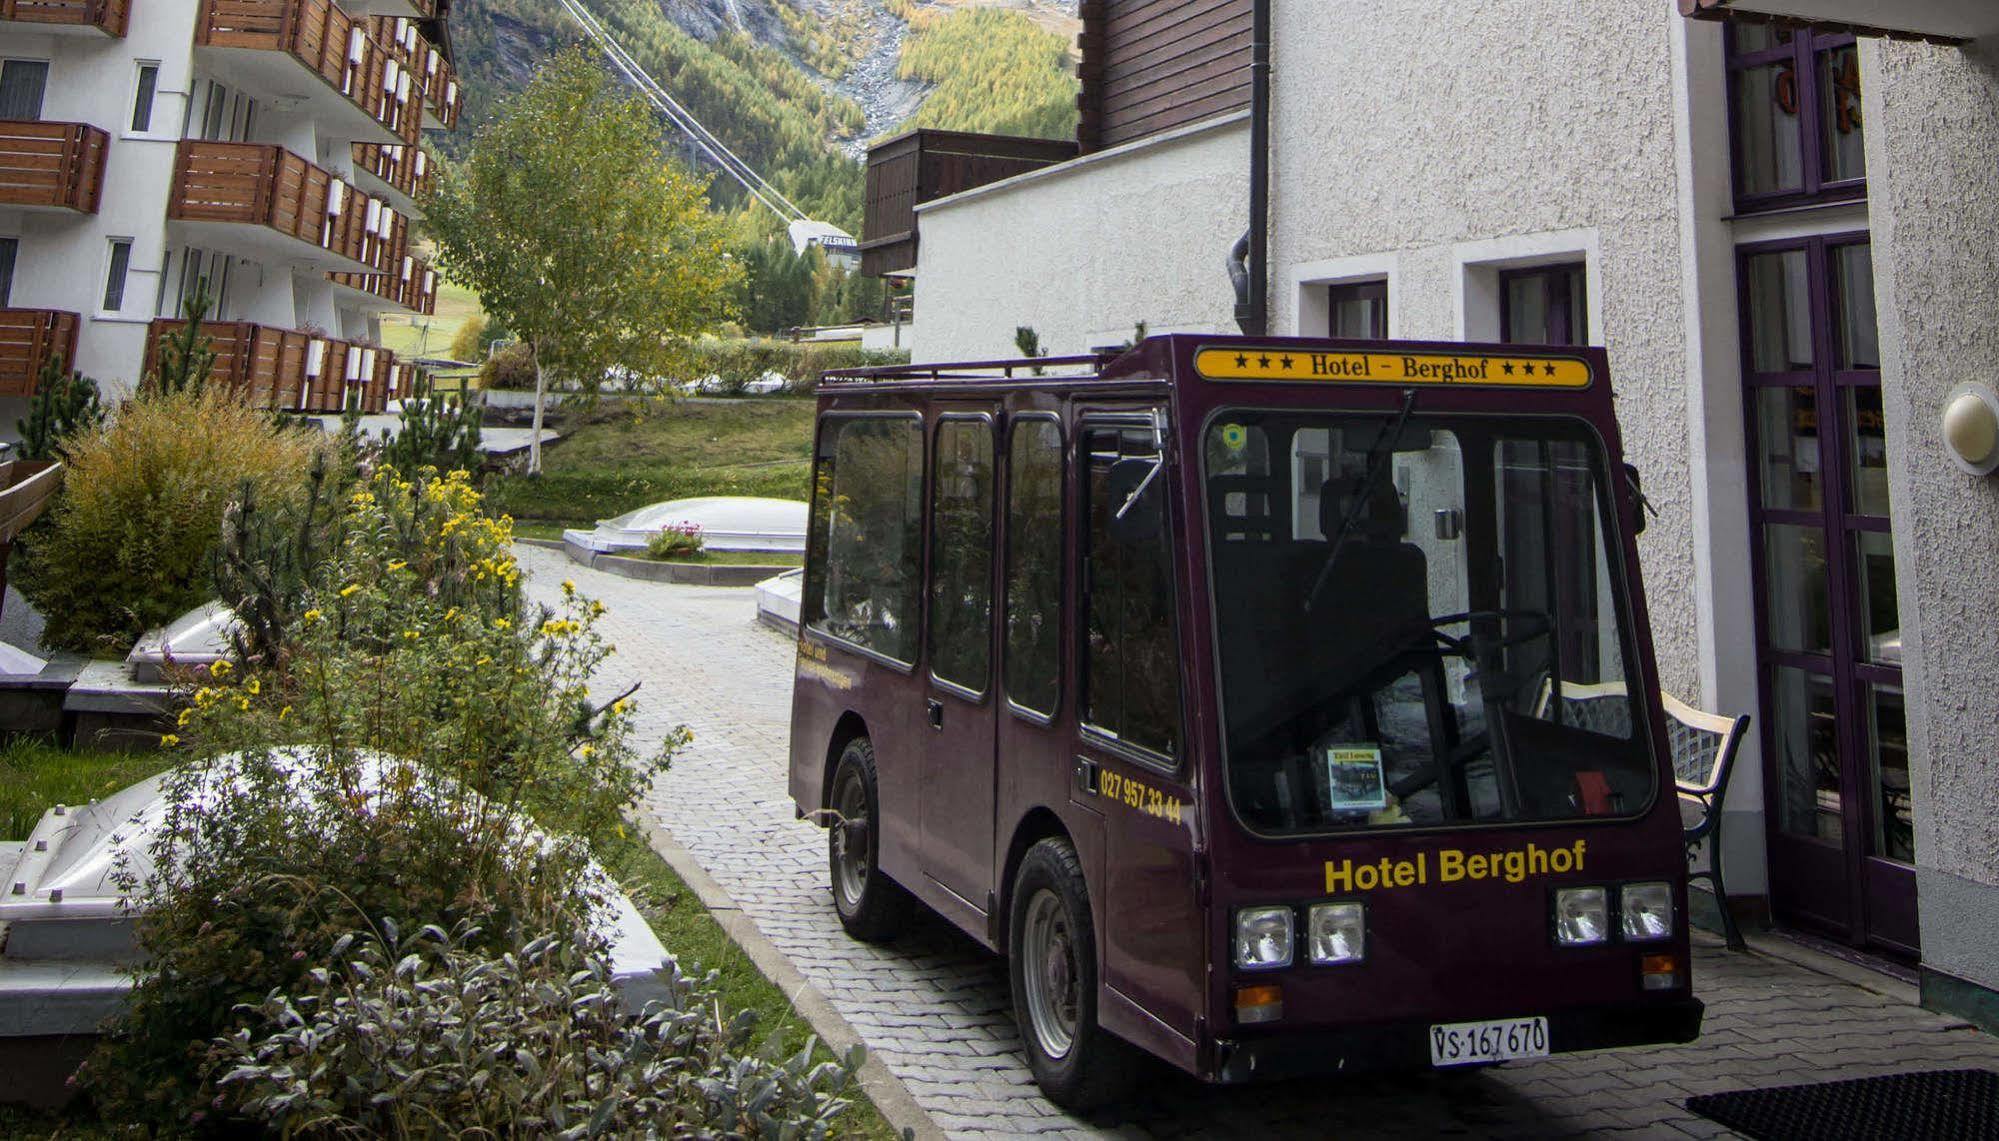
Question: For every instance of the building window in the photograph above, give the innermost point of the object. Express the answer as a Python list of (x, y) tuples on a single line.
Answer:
[(1545, 305), (1795, 111), (142, 98), (1358, 310), (114, 278), (867, 534), (9, 247), (22, 82)]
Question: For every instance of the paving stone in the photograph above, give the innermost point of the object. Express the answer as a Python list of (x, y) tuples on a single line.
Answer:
[(935, 1005)]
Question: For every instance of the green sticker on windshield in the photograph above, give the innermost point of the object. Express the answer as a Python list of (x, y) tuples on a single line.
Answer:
[(1235, 437)]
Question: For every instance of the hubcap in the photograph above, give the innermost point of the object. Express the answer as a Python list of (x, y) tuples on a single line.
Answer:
[(852, 840), (1050, 974)]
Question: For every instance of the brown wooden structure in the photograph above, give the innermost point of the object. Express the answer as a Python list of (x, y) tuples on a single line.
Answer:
[(412, 285), (1152, 65), (322, 37), (262, 185), (407, 169), (288, 370), (59, 165), (28, 338), (919, 166), (108, 16)]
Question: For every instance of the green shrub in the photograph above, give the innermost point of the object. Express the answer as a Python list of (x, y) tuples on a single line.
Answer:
[(429, 1036), (675, 542), (475, 336), (512, 368), (129, 544), (738, 364), (64, 406), (325, 787), (587, 496)]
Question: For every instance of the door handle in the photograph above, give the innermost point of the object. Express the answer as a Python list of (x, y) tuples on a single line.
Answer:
[(936, 714)]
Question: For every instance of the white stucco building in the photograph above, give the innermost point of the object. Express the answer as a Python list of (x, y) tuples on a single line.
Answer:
[(266, 148), (1785, 234)]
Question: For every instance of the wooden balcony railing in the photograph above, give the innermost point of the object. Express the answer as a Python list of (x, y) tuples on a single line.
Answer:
[(913, 168), (28, 338), (407, 169), (327, 41), (412, 286), (107, 16), (52, 164), (435, 81), (261, 185), (287, 370)]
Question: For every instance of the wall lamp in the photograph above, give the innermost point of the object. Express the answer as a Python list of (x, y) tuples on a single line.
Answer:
[(1971, 428)]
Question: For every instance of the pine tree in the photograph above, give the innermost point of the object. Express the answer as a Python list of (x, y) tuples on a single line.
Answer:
[(186, 356), (434, 432), (64, 404)]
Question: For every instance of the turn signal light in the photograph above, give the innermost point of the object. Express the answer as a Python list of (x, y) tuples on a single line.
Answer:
[(1259, 1003), (1659, 972)]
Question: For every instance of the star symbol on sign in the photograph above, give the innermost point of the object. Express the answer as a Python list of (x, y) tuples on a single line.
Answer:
[(1241, 361), (1507, 368), (1286, 362), (1263, 362), (1549, 369)]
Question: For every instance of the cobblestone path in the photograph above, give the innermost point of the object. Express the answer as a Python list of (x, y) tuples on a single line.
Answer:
[(934, 1006)]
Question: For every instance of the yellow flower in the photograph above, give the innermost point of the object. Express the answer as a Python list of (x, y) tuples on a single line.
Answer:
[(398, 565), (243, 704), (450, 614), (311, 616), (620, 706), (588, 751), (169, 741), (219, 669), (186, 715), (502, 624), (350, 590), (412, 635), (569, 586), (284, 713), (255, 687)]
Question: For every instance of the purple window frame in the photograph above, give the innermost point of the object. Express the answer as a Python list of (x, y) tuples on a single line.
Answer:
[(1803, 51), (1351, 291), (1564, 281)]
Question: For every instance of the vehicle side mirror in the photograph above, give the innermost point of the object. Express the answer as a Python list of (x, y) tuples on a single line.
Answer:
[(1136, 498), (1635, 488)]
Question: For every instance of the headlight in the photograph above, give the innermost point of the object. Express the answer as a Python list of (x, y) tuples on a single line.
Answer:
[(1336, 933), (1263, 938), (1582, 916), (1647, 911)]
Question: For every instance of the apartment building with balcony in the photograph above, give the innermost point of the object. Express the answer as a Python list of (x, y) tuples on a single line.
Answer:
[(1778, 216), (267, 150)]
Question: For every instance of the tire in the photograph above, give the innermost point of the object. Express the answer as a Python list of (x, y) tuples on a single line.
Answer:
[(1052, 962), (872, 906)]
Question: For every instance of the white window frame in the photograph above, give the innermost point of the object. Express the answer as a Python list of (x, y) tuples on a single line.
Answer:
[(111, 244), (1311, 281), (1475, 284)]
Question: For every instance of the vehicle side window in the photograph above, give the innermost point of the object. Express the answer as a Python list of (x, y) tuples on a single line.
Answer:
[(1131, 676), (867, 534), (1034, 566), (961, 555)]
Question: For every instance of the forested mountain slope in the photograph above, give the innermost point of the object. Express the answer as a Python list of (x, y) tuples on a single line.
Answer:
[(797, 87)]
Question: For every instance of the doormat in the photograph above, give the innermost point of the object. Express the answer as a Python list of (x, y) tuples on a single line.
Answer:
[(1937, 1105)]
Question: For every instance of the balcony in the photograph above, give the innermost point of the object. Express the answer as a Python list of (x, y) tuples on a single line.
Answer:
[(288, 370), (401, 175), (310, 50), (435, 81), (52, 166), (913, 168), (411, 287), (267, 203), (28, 338), (109, 17)]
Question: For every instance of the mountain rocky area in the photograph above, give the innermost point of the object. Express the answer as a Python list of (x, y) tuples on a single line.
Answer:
[(799, 87)]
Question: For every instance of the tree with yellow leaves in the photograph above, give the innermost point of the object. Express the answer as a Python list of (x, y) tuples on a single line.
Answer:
[(582, 235)]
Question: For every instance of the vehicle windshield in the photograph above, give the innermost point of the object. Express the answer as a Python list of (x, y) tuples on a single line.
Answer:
[(1460, 657)]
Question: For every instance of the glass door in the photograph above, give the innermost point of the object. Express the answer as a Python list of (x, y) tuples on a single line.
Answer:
[(1828, 632)]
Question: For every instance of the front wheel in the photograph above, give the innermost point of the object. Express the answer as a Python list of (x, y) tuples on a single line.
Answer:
[(872, 906), (1052, 953)]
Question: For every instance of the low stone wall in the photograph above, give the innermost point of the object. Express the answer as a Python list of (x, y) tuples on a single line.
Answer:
[(653, 570)]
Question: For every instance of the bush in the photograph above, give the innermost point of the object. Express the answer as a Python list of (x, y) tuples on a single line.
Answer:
[(400, 1036), (387, 761), (475, 335), (511, 368), (675, 542), (65, 405), (738, 364), (129, 545), (587, 496)]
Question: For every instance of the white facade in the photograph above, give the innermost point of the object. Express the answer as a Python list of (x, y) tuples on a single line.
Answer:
[(1434, 145), (64, 259)]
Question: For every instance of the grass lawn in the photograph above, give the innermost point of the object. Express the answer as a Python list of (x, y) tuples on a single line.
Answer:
[(410, 334), (35, 776), (616, 459)]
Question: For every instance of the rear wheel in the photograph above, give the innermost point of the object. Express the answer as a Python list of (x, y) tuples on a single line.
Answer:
[(1052, 958), (872, 906)]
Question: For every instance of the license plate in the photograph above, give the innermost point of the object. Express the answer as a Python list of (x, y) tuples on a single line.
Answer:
[(1470, 1043)]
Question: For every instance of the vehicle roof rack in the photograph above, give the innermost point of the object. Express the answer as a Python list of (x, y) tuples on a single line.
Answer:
[(972, 371)]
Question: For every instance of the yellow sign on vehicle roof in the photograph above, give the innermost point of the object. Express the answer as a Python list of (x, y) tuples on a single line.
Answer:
[(1378, 367)]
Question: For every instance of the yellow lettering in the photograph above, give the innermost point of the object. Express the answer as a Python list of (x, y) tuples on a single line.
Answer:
[(1560, 861), (1422, 867), (1450, 865), (1579, 854), (1475, 867), (1339, 879), (1516, 866), (1405, 873), (1537, 860), (1365, 877)]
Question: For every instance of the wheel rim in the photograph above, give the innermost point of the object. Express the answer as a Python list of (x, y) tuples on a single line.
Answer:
[(853, 841), (1049, 969)]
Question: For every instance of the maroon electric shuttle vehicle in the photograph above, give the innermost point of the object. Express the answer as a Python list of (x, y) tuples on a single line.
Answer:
[(1275, 706)]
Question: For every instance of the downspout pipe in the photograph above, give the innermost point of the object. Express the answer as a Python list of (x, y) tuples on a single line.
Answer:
[(1249, 260)]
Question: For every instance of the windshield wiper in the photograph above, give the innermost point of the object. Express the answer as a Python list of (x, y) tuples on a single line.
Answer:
[(1378, 455)]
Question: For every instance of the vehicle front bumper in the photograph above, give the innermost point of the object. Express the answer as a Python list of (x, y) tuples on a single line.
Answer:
[(1406, 1045)]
